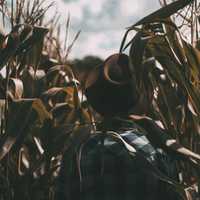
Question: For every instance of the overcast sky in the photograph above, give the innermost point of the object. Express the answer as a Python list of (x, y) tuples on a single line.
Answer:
[(102, 22)]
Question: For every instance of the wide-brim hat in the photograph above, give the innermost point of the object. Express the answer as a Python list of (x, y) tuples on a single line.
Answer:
[(109, 87)]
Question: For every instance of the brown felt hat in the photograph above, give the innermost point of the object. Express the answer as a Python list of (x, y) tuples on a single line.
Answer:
[(109, 87)]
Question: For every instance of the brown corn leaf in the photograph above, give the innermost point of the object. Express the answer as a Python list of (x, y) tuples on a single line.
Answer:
[(36, 36), (11, 44), (164, 12), (22, 115), (16, 87), (39, 107)]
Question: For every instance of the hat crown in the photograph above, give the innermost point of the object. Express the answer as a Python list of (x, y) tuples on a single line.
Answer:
[(116, 69)]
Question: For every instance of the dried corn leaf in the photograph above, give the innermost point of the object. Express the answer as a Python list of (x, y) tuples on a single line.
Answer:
[(164, 12), (21, 117)]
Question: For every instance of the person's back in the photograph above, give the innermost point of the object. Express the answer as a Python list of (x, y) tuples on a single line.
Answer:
[(104, 168), (117, 162)]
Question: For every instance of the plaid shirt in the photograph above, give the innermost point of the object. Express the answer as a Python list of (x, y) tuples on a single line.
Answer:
[(101, 168)]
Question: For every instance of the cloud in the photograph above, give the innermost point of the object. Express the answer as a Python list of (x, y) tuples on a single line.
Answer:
[(128, 8), (95, 6), (138, 8), (77, 7), (102, 22), (63, 8), (99, 44)]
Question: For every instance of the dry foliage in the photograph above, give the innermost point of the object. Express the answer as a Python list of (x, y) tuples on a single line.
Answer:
[(41, 107), (165, 63), (40, 101)]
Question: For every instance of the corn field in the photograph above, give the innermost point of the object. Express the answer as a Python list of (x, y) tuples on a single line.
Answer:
[(42, 104)]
